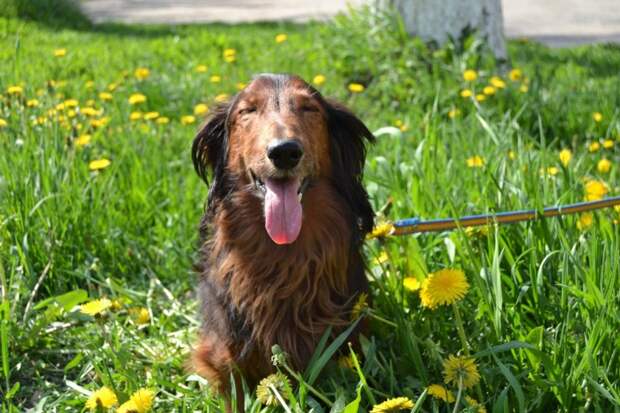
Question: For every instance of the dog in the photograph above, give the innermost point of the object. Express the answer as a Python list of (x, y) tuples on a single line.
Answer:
[(280, 260)]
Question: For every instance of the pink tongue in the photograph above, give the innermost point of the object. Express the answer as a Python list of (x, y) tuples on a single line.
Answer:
[(282, 210)]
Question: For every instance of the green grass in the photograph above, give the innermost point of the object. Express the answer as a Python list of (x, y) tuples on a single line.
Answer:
[(541, 316)]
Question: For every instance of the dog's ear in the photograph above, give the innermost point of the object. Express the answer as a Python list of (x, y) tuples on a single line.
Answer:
[(348, 138), (210, 144)]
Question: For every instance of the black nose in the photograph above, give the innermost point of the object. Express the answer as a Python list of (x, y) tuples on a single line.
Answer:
[(285, 154)]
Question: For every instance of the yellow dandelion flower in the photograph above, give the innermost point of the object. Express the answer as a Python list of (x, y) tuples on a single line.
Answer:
[(594, 147), (95, 307), (14, 90), (480, 97), (127, 407), (60, 106), (143, 400), (201, 69), (595, 190), (151, 115), (382, 258), (318, 80), (474, 403), (188, 119), (104, 398), (222, 97), (515, 75), (489, 90), (134, 116), (393, 405), (411, 283), (105, 96), (440, 392), (466, 93), (82, 140), (3, 123), (71, 103), (32, 103), (215, 79), (356, 88), (98, 123), (89, 84), (240, 85), (523, 89), (142, 315), (470, 75), (585, 221), (265, 389), (608, 144), (162, 120), (112, 87), (200, 109), (460, 369), (475, 161), (229, 52), (565, 157), (60, 52), (99, 164), (550, 171), (443, 287), (142, 73), (136, 98), (360, 305), (89, 111), (497, 82), (454, 113), (603, 166), (230, 59), (597, 116), (381, 230), (281, 38)]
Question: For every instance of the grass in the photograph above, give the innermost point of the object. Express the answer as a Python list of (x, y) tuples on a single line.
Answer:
[(540, 317)]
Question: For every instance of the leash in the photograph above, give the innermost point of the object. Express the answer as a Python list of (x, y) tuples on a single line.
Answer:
[(415, 225)]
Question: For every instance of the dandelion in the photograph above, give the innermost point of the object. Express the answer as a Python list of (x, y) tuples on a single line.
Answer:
[(475, 161), (222, 97), (89, 84), (105, 96), (360, 305), (459, 370), (3, 123), (466, 93), (443, 287), (470, 75), (15, 90), (127, 407), (440, 392), (381, 230), (597, 116), (90, 111), (136, 98), (188, 119), (240, 85), (453, 113), (382, 258), (200, 109), (497, 82), (215, 79), (594, 147), (281, 38), (356, 88), (318, 80), (200, 69), (523, 89), (98, 123), (265, 391), (515, 75), (603, 166), (474, 403), (608, 144), (550, 171), (134, 116), (585, 221), (480, 97), (230, 55), (60, 52), (112, 87), (595, 190), (411, 284), (82, 140), (96, 307), (98, 165), (151, 115), (142, 73), (104, 398), (565, 156), (393, 405), (162, 120), (32, 103), (489, 90)]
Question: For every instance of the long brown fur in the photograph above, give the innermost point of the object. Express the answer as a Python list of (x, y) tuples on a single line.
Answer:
[(255, 293)]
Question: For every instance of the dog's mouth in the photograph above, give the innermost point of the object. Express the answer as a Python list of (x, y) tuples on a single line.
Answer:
[(282, 206)]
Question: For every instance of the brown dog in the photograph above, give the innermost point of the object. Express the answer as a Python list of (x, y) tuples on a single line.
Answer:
[(281, 237)]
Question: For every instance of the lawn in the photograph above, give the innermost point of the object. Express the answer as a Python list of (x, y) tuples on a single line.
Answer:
[(99, 200)]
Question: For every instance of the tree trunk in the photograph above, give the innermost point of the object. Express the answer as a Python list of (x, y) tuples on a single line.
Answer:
[(441, 20)]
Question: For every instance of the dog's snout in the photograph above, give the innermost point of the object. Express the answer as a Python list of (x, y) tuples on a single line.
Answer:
[(285, 154)]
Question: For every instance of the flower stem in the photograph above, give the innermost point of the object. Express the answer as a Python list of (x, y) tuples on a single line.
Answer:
[(458, 395), (460, 329)]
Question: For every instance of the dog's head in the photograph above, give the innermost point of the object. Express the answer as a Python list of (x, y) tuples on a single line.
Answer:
[(276, 137)]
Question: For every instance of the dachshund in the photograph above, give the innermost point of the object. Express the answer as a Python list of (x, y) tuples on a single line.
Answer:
[(280, 256)]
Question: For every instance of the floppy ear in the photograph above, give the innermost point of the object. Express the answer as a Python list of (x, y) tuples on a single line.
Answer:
[(210, 149), (348, 138)]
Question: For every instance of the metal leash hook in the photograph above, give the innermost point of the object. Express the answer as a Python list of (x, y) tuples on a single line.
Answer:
[(415, 225)]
